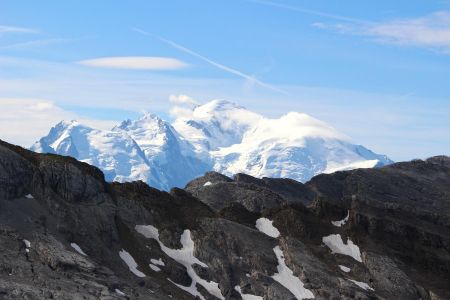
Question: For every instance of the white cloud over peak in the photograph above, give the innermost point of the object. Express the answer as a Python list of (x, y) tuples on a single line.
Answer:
[(183, 105), (431, 31), (182, 99), (135, 62)]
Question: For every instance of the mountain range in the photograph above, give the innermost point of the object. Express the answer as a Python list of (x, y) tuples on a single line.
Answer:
[(220, 136)]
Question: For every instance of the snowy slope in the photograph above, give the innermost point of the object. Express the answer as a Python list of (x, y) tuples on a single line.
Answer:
[(173, 158), (116, 153), (216, 124), (218, 135), (295, 146)]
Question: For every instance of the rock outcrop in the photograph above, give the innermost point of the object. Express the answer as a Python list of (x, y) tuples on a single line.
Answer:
[(66, 233)]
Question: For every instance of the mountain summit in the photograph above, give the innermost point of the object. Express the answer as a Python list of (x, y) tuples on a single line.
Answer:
[(219, 135)]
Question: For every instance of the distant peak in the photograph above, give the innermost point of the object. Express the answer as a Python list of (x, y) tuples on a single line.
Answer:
[(146, 117), (149, 116), (220, 104), (67, 124)]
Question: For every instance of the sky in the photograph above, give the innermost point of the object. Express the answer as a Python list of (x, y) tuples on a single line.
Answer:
[(378, 72)]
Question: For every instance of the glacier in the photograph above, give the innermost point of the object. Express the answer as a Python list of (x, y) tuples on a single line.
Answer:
[(220, 136)]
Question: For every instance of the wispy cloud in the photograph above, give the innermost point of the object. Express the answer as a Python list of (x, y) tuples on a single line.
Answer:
[(33, 43), (308, 11), (135, 62), (431, 31), (211, 62), (12, 29)]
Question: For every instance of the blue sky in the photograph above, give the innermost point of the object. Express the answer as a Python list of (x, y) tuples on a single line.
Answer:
[(379, 72)]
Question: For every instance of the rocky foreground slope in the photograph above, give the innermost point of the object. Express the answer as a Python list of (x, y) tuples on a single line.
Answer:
[(65, 233)]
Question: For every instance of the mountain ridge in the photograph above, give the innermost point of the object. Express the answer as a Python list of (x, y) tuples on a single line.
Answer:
[(220, 136), (360, 234)]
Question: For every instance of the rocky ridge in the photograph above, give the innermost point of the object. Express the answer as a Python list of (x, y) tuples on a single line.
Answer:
[(66, 233)]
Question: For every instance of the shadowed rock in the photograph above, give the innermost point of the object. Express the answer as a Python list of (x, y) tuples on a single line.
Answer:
[(398, 217)]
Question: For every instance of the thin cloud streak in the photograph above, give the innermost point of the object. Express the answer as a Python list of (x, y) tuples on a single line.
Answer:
[(34, 43), (13, 29), (309, 11), (211, 62), (135, 62), (430, 31)]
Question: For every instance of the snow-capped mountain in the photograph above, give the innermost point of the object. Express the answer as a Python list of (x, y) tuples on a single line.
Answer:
[(218, 135), (148, 149), (114, 152), (216, 124), (295, 146), (168, 154)]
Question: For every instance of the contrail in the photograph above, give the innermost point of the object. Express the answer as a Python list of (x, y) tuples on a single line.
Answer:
[(308, 11), (211, 62)]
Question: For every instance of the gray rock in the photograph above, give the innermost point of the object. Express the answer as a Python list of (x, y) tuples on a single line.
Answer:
[(399, 217)]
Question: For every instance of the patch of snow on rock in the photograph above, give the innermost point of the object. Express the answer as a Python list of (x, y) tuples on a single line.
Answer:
[(29, 196), (184, 256), (335, 243), (341, 222), (344, 268), (131, 263), (78, 249), (154, 268), (362, 285), (207, 183), (119, 292), (158, 262), (265, 226), (286, 278), (27, 243), (246, 296)]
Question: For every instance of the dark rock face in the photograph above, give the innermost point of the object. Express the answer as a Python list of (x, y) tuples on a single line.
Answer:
[(141, 243)]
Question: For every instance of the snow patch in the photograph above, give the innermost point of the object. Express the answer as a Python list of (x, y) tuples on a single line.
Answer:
[(341, 222), (363, 164), (154, 268), (336, 245), (27, 243), (362, 285), (207, 183), (158, 262), (246, 296), (78, 249), (344, 268), (131, 263), (29, 196), (286, 278), (265, 226), (119, 292), (184, 256)]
